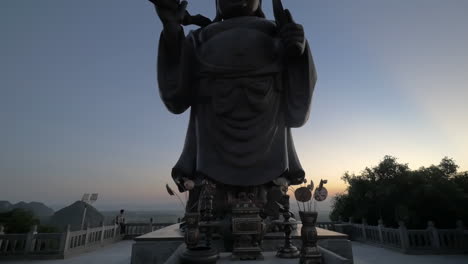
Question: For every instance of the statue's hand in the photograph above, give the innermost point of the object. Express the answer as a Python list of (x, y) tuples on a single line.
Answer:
[(290, 32), (188, 184), (293, 38), (281, 181), (170, 11)]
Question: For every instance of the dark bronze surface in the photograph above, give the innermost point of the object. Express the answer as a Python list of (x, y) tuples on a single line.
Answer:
[(288, 250), (247, 81), (309, 252), (245, 90)]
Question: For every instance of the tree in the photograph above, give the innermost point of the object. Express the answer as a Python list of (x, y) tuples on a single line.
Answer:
[(392, 192), (18, 221), (448, 166)]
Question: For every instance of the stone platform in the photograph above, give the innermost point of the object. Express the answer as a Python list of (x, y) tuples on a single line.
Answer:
[(157, 247)]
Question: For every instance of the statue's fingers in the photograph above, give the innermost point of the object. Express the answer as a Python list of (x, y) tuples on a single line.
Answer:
[(182, 9), (291, 34), (292, 27), (171, 4), (287, 37), (288, 16), (278, 12), (187, 19)]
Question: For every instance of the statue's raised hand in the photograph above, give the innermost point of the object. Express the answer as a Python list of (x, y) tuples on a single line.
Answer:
[(170, 11), (291, 33)]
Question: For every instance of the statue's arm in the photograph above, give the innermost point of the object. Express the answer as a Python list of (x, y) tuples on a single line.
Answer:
[(174, 58), (300, 77), (172, 55)]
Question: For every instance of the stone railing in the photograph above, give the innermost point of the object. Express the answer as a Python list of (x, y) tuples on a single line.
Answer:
[(327, 225), (412, 241), (61, 245), (55, 245), (133, 230)]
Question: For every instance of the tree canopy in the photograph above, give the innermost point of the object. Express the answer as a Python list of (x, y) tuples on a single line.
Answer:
[(21, 221), (18, 221), (391, 191)]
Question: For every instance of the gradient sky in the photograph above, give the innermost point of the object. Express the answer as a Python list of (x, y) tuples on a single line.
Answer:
[(80, 111)]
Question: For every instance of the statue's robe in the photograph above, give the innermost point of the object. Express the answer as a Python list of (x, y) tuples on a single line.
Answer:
[(245, 95)]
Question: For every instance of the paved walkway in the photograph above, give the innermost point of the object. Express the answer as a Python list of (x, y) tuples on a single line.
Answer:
[(119, 253), (366, 254)]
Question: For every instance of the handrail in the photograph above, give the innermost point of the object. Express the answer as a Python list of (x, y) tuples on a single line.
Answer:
[(430, 240), (62, 245)]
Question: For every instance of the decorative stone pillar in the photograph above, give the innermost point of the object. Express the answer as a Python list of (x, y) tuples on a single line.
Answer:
[(404, 240), (310, 253), (363, 226), (103, 230), (461, 235), (116, 230), (30, 240), (65, 241), (86, 236), (434, 234), (150, 227), (2, 229), (380, 227)]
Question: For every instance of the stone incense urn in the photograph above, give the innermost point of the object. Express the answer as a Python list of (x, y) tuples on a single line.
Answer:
[(309, 251)]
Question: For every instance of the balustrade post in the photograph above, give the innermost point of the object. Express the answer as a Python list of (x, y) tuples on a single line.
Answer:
[(363, 226), (350, 220), (30, 240), (65, 241), (150, 225), (103, 230), (114, 235), (434, 233), (380, 227), (404, 239), (87, 235), (460, 235), (2, 229)]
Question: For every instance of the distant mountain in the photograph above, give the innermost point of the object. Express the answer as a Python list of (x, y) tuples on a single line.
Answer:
[(38, 209), (72, 215), (5, 206)]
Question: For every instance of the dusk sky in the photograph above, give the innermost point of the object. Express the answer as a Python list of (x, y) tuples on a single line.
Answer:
[(80, 110)]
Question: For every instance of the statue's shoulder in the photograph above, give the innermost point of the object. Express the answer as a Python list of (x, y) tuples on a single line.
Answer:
[(254, 23)]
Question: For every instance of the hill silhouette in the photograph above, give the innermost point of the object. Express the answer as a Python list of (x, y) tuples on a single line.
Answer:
[(72, 215), (37, 208)]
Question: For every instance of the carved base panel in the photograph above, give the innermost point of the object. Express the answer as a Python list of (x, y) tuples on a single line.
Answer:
[(288, 253), (199, 255), (247, 253), (311, 255)]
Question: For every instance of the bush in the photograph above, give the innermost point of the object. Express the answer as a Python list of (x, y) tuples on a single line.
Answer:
[(18, 221), (392, 192)]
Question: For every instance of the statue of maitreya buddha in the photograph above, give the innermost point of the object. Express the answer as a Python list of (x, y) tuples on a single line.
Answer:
[(246, 81)]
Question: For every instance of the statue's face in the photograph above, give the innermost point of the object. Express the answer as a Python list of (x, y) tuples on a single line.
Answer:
[(236, 8)]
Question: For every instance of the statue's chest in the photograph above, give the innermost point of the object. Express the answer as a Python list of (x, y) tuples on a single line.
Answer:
[(238, 50)]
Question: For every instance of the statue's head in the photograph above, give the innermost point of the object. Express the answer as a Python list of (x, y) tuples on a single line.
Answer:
[(235, 8)]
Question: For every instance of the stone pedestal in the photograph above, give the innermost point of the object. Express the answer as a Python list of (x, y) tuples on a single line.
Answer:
[(161, 247)]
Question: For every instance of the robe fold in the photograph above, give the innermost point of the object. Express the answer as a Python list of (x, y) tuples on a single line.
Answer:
[(244, 95)]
